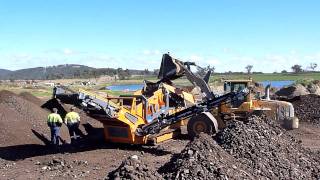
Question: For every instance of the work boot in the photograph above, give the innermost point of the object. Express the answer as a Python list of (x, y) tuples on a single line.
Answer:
[(73, 140)]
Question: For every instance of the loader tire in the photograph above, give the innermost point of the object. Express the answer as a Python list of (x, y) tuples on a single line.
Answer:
[(202, 123)]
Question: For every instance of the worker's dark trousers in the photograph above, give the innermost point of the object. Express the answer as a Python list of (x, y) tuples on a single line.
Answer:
[(55, 133), (74, 131)]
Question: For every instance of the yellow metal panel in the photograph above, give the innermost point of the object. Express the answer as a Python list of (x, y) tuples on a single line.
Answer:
[(123, 118), (139, 92), (164, 137)]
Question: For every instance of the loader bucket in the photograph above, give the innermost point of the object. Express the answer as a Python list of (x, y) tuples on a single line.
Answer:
[(149, 88), (169, 69)]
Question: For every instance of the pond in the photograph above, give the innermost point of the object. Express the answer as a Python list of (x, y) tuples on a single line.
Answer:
[(125, 87), (277, 84)]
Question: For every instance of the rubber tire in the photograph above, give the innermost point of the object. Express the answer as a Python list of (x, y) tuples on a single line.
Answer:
[(204, 121)]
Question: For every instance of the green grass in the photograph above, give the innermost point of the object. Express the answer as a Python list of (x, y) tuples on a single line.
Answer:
[(270, 77), (46, 94), (38, 92)]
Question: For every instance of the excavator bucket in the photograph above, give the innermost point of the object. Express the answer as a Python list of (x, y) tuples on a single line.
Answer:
[(149, 88), (169, 69)]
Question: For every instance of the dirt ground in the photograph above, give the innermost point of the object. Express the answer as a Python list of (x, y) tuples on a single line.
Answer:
[(84, 162), (95, 159), (309, 134), (24, 155)]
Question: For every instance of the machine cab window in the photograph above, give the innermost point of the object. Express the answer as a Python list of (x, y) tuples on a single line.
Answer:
[(236, 86)]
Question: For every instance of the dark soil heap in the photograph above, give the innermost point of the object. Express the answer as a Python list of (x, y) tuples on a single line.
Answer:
[(29, 110), (133, 168), (307, 108), (292, 91), (268, 150), (203, 158), (31, 98), (18, 117)]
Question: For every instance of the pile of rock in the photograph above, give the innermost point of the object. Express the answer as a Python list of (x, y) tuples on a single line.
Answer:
[(307, 108), (63, 169), (267, 150), (297, 90), (291, 92), (133, 168), (203, 158)]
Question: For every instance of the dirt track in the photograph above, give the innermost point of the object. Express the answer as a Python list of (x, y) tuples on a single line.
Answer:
[(23, 154)]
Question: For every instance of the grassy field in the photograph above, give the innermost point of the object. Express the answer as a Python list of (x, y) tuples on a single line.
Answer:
[(218, 77), (44, 92), (270, 76)]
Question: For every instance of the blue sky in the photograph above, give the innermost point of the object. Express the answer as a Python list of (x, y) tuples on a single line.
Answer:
[(271, 35)]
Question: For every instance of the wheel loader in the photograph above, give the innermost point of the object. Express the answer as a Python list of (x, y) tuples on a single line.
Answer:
[(158, 111)]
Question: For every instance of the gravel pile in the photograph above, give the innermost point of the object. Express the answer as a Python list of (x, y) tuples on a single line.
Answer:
[(292, 91), (133, 168), (307, 108), (203, 158), (268, 150), (60, 168)]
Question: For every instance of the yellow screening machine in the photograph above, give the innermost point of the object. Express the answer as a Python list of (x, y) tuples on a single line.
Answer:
[(158, 111)]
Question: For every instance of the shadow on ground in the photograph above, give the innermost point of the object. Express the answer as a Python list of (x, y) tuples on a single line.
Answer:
[(92, 141)]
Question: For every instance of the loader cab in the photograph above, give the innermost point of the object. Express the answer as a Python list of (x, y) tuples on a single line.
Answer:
[(236, 86)]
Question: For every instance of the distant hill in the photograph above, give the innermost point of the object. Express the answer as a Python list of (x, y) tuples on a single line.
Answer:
[(4, 72), (63, 71)]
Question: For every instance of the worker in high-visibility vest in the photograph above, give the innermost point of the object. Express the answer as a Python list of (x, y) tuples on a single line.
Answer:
[(54, 122), (72, 120)]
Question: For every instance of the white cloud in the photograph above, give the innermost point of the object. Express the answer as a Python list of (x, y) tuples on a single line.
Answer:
[(293, 52), (148, 52), (213, 62), (20, 57), (205, 60), (151, 59), (271, 62), (245, 60), (195, 58), (313, 58), (63, 51), (67, 51)]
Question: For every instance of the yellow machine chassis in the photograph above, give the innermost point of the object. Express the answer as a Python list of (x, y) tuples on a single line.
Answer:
[(121, 128)]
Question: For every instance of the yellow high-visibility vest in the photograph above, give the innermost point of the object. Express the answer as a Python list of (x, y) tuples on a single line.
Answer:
[(54, 118), (72, 117)]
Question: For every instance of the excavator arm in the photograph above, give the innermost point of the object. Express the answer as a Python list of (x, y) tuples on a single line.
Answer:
[(172, 68)]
